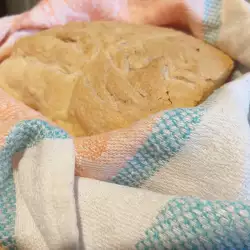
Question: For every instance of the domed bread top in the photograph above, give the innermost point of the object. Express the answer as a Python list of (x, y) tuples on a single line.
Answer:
[(95, 77)]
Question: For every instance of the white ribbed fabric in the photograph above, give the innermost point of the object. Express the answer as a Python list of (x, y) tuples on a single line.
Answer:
[(235, 24), (45, 205), (215, 162), (113, 216)]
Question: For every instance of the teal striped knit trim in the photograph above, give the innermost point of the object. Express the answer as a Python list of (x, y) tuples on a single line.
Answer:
[(24, 134), (7, 211), (168, 136), (191, 223), (212, 20)]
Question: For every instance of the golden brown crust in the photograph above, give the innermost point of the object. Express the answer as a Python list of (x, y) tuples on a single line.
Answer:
[(94, 77)]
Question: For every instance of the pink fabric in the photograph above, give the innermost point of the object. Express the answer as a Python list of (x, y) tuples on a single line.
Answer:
[(93, 154), (183, 14)]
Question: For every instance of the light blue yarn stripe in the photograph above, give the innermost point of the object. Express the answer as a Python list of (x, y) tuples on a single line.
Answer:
[(7, 211), (168, 136), (24, 134), (212, 20), (193, 224)]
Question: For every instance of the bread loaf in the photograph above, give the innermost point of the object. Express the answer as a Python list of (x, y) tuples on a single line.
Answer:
[(95, 77)]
